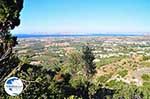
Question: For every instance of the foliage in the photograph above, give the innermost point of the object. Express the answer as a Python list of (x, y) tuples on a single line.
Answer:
[(105, 61), (123, 73), (125, 91), (9, 13), (9, 18), (145, 90), (146, 58), (88, 57), (102, 79), (146, 77), (145, 63)]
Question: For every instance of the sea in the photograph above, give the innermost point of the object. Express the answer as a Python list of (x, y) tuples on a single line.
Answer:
[(70, 35)]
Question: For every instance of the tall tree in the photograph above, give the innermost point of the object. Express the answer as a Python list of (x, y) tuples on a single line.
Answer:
[(88, 57), (9, 19)]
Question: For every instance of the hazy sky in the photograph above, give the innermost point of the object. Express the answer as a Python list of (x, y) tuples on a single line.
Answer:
[(50, 16)]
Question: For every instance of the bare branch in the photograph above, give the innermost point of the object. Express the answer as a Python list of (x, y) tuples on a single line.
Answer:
[(6, 55), (14, 71), (29, 81)]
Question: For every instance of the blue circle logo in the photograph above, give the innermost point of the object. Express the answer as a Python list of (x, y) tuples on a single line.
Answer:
[(13, 86)]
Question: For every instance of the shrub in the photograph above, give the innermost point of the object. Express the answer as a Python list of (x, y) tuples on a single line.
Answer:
[(146, 77), (123, 73)]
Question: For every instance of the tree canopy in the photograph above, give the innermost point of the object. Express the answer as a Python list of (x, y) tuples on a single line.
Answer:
[(9, 19), (9, 14)]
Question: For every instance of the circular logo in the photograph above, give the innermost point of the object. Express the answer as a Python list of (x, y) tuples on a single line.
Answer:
[(13, 86)]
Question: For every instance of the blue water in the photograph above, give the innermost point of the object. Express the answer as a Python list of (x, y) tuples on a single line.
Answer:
[(71, 35)]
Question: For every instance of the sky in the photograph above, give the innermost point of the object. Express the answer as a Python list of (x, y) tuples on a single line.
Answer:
[(84, 16)]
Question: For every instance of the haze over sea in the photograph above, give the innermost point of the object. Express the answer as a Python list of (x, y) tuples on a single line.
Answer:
[(75, 35)]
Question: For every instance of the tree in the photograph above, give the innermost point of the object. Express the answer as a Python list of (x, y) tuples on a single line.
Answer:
[(74, 63), (9, 19), (88, 57), (9, 15), (89, 68)]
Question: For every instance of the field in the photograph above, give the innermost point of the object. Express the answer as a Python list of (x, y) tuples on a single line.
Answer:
[(122, 58)]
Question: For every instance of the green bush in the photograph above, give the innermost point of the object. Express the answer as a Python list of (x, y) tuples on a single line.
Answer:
[(146, 77), (109, 60), (115, 84), (103, 79), (146, 58), (123, 73), (145, 64)]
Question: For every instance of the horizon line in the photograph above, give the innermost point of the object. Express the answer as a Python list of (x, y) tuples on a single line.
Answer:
[(74, 33)]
